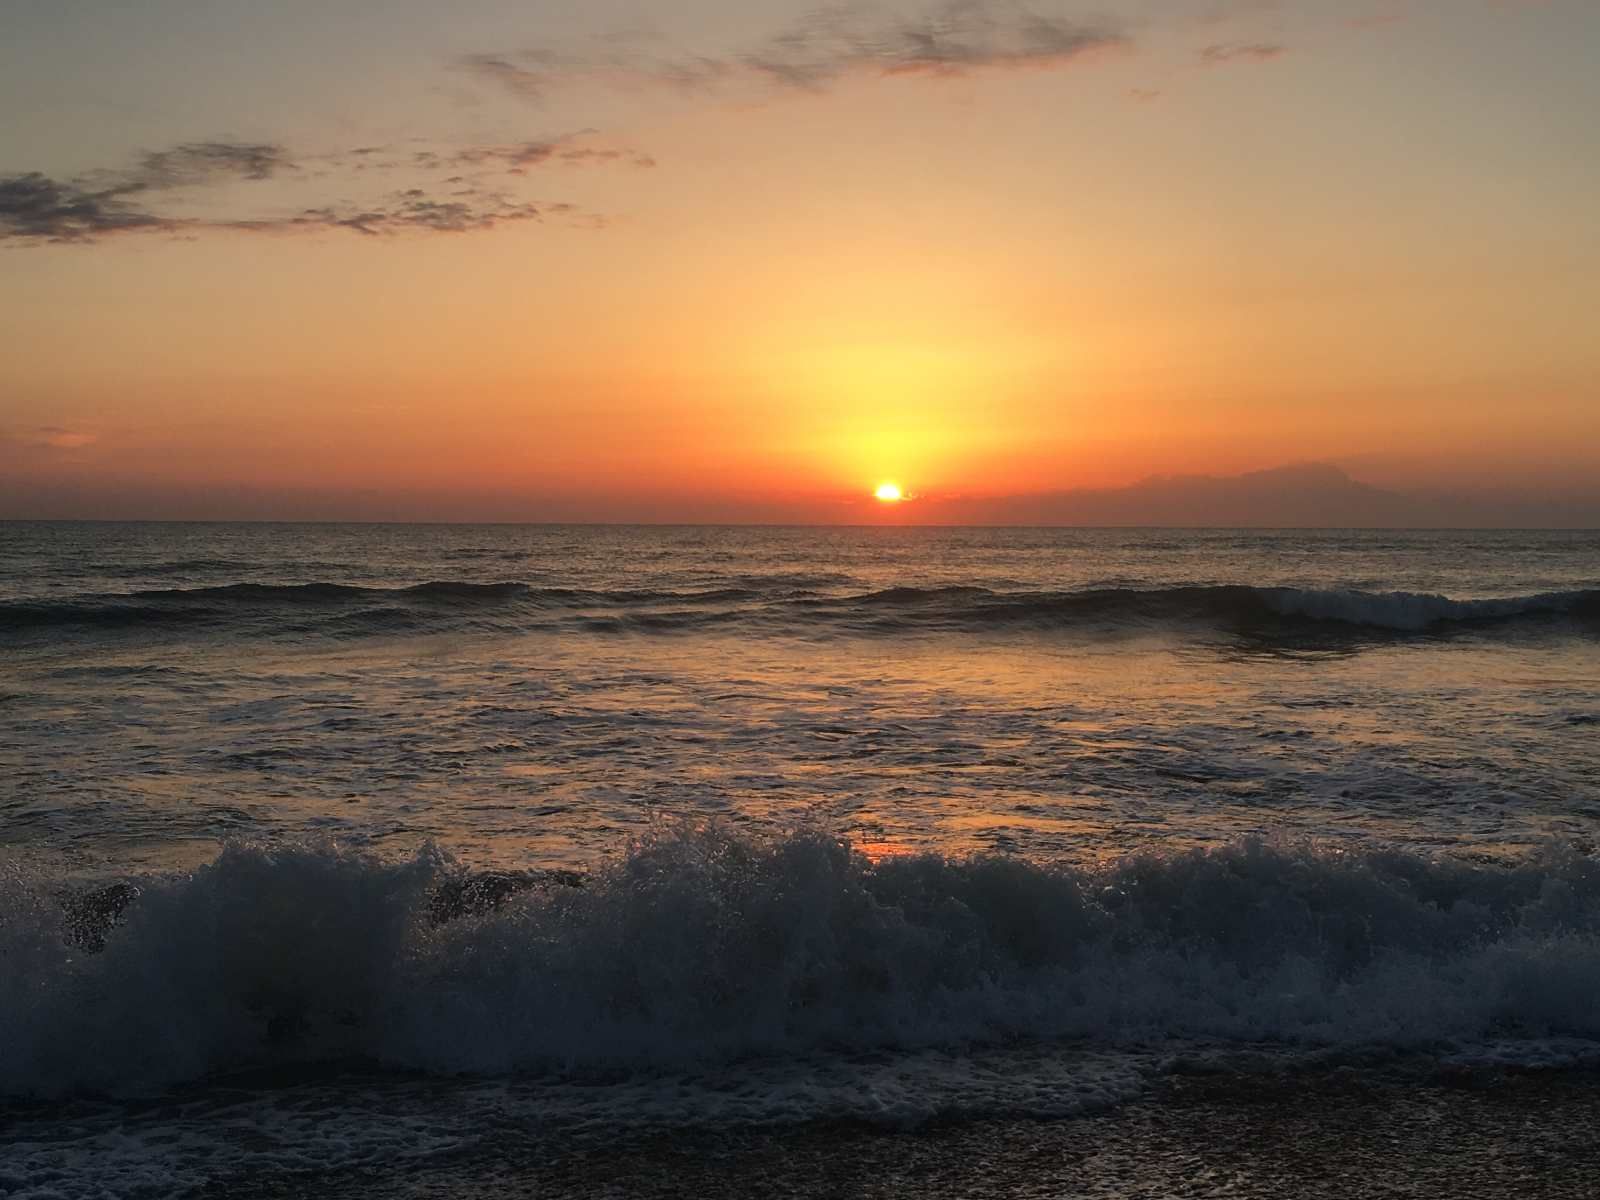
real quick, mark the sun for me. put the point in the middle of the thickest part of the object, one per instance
(889, 493)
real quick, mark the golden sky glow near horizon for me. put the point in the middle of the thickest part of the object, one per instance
(747, 262)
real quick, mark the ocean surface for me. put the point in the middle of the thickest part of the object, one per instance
(330, 847)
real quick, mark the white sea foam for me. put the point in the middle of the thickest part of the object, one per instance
(1412, 611)
(702, 948)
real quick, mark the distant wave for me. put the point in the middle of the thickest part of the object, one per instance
(702, 947)
(1225, 604)
(165, 606)
(798, 604)
(1413, 611)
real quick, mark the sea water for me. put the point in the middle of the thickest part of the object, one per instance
(323, 845)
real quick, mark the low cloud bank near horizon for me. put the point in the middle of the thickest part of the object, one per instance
(1305, 495)
(1299, 495)
(47, 438)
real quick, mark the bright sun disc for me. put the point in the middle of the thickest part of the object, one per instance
(888, 492)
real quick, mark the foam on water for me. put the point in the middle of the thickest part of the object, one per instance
(534, 695)
(1410, 611)
(344, 1120)
(701, 947)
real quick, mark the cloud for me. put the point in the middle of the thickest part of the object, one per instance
(411, 210)
(49, 437)
(529, 84)
(1226, 52)
(516, 158)
(147, 196)
(34, 206)
(195, 163)
(960, 37)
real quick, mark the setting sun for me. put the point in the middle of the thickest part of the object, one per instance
(889, 493)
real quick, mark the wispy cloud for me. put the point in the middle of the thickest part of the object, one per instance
(194, 163)
(49, 438)
(149, 195)
(527, 79)
(960, 37)
(517, 158)
(35, 206)
(965, 36)
(1229, 52)
(411, 210)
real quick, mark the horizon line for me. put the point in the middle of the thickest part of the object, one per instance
(890, 525)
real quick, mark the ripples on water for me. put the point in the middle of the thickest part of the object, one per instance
(537, 695)
(1255, 794)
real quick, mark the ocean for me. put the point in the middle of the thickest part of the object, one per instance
(333, 856)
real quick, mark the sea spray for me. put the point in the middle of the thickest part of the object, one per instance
(703, 946)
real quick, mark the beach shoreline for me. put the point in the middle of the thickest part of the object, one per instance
(1331, 1132)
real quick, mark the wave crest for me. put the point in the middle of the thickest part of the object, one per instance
(782, 604)
(702, 946)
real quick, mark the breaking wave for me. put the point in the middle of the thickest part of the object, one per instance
(1230, 606)
(805, 605)
(700, 947)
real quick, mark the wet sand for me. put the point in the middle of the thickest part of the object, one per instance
(1342, 1134)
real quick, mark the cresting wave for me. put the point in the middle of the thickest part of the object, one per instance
(802, 604)
(702, 947)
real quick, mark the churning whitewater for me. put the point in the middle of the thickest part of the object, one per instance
(702, 947)
(332, 850)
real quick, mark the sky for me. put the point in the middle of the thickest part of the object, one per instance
(746, 261)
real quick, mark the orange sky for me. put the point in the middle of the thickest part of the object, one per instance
(1206, 238)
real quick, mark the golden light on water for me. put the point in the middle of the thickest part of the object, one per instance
(889, 493)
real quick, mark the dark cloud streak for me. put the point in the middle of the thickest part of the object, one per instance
(1226, 52)
(35, 208)
(197, 163)
(959, 38)
(518, 157)
(412, 210)
(827, 45)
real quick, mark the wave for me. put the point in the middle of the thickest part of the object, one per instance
(782, 603)
(702, 947)
(1223, 604)
(1413, 611)
(242, 601)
